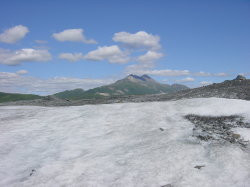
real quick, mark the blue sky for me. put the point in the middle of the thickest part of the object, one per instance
(63, 44)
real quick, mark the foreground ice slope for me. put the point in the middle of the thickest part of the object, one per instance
(119, 145)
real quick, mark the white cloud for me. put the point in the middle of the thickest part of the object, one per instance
(245, 74)
(145, 62)
(22, 72)
(202, 74)
(8, 57)
(168, 72)
(140, 39)
(220, 74)
(6, 75)
(165, 72)
(207, 74)
(13, 34)
(205, 83)
(14, 82)
(73, 57)
(150, 56)
(113, 54)
(187, 79)
(139, 68)
(72, 35)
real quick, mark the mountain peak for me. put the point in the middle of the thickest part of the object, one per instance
(146, 76)
(240, 77)
(140, 78)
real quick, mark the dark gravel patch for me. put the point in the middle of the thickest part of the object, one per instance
(209, 128)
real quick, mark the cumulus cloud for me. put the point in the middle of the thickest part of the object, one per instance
(168, 72)
(187, 79)
(164, 72)
(139, 68)
(9, 57)
(72, 35)
(207, 74)
(22, 72)
(140, 39)
(221, 74)
(7, 75)
(245, 74)
(113, 54)
(145, 62)
(147, 67)
(15, 82)
(13, 34)
(150, 56)
(205, 83)
(202, 74)
(72, 57)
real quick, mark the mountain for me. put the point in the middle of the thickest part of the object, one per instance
(238, 88)
(7, 97)
(131, 85)
(70, 94)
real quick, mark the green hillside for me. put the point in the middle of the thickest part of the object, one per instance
(70, 94)
(7, 97)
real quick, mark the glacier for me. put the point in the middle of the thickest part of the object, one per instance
(126, 144)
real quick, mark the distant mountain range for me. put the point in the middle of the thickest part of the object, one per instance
(119, 92)
(130, 85)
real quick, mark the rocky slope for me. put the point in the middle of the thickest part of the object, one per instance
(238, 88)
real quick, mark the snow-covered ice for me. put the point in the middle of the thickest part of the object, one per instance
(244, 133)
(119, 145)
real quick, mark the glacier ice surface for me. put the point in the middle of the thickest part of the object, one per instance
(119, 145)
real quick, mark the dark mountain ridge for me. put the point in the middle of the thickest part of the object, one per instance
(238, 88)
